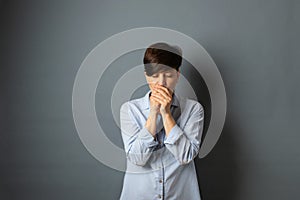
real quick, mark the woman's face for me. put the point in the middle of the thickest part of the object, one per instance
(167, 79)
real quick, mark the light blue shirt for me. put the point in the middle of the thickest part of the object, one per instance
(161, 167)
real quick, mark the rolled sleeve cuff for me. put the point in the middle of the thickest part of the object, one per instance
(147, 139)
(174, 135)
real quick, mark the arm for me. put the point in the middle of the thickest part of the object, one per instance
(139, 143)
(184, 143)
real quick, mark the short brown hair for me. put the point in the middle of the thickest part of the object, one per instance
(164, 54)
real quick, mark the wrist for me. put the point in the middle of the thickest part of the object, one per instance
(166, 115)
(153, 113)
(165, 112)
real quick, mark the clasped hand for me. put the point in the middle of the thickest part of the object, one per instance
(160, 99)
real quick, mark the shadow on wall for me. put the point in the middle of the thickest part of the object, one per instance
(218, 173)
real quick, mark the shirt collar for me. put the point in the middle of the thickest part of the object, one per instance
(146, 100)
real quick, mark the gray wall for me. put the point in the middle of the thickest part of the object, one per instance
(254, 44)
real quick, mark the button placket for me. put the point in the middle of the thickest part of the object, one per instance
(159, 180)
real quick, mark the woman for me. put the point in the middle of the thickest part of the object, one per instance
(161, 133)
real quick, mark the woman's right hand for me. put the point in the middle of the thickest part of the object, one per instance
(154, 105)
(154, 111)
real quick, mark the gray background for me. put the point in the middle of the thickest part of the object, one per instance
(254, 44)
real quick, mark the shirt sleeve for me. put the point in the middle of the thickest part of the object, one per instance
(184, 143)
(138, 142)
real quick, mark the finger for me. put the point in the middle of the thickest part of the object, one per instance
(166, 100)
(163, 94)
(167, 90)
(161, 100)
(158, 95)
(154, 100)
(158, 100)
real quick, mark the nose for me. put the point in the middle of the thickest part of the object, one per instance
(162, 80)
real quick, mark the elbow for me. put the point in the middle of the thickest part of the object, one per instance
(184, 161)
(189, 157)
(136, 160)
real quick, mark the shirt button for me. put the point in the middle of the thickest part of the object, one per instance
(160, 181)
(159, 196)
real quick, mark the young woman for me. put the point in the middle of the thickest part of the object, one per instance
(161, 133)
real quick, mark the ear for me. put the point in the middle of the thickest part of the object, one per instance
(178, 73)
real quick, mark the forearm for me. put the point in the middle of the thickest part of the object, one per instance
(178, 144)
(184, 143)
(140, 147)
(151, 123)
(138, 154)
(183, 148)
(169, 122)
(138, 141)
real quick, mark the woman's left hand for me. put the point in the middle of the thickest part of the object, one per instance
(163, 96)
